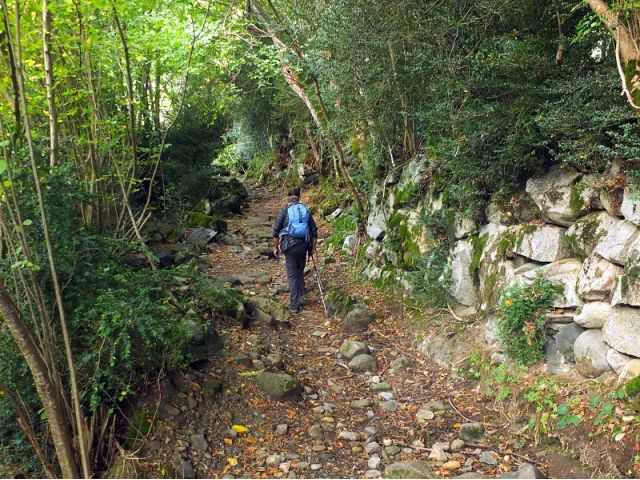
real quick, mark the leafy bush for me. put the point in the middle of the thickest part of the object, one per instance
(430, 280)
(521, 319)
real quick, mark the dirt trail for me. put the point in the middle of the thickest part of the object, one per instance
(323, 433)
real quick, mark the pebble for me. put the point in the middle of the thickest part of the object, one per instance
(425, 415)
(318, 410)
(451, 465)
(292, 475)
(487, 459)
(390, 405)
(292, 456)
(373, 474)
(171, 410)
(328, 407)
(375, 379)
(380, 387)
(308, 390)
(316, 466)
(198, 442)
(374, 462)
(350, 436)
(370, 414)
(407, 450)
(357, 449)
(319, 448)
(437, 454)
(387, 442)
(446, 446)
(285, 467)
(363, 403)
(457, 444)
(386, 395)
(373, 447)
(282, 429)
(315, 431)
(469, 462)
(328, 427)
(313, 396)
(273, 460)
(370, 431)
(392, 450)
(300, 465)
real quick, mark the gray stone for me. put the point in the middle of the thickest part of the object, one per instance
(198, 442)
(372, 251)
(363, 363)
(392, 450)
(183, 469)
(352, 348)
(409, 469)
(435, 406)
(363, 403)
(591, 354)
(471, 432)
(457, 445)
(525, 471)
(491, 331)
(630, 208)
(565, 274)
(274, 360)
(400, 363)
(370, 431)
(566, 338)
(583, 236)
(611, 201)
(201, 236)
(463, 227)
(357, 319)
(555, 362)
(385, 395)
(372, 447)
(274, 460)
(592, 315)
(425, 415)
(349, 436)
(615, 244)
(380, 387)
(617, 360)
(349, 244)
(278, 385)
(463, 286)
(374, 462)
(622, 330)
(376, 223)
(390, 405)
(630, 371)
(282, 429)
(542, 243)
(598, 278)
(315, 431)
(627, 290)
(316, 466)
(437, 454)
(373, 474)
(487, 459)
(498, 358)
(552, 192)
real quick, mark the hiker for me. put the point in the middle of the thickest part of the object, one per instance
(295, 234)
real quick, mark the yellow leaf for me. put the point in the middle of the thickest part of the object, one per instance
(228, 441)
(233, 461)
(239, 429)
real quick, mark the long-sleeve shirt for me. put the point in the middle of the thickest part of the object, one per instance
(282, 222)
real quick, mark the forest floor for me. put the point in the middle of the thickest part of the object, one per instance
(339, 427)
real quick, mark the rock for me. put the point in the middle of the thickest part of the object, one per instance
(282, 429)
(373, 474)
(278, 385)
(463, 227)
(617, 360)
(525, 470)
(357, 319)
(374, 462)
(349, 244)
(451, 465)
(437, 454)
(408, 469)
(471, 432)
(400, 363)
(372, 250)
(425, 415)
(183, 469)
(615, 244)
(435, 406)
(376, 223)
(385, 395)
(583, 236)
(565, 274)
(592, 315)
(591, 354)
(171, 410)
(315, 431)
(353, 348)
(275, 361)
(555, 362)
(363, 363)
(542, 243)
(457, 445)
(627, 290)
(498, 358)
(611, 201)
(487, 459)
(630, 371)
(390, 405)
(597, 278)
(201, 236)
(198, 442)
(316, 466)
(445, 446)
(463, 287)
(621, 330)
(363, 403)
(555, 195)
(335, 214)
(274, 460)
(244, 359)
(491, 331)
(372, 447)
(566, 338)
(349, 436)
(630, 208)
(381, 387)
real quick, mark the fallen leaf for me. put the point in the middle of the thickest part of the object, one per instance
(228, 441)
(233, 461)
(456, 425)
(239, 428)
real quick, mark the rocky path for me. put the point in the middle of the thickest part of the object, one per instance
(368, 404)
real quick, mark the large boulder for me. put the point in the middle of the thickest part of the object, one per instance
(557, 196)
(630, 371)
(520, 208)
(564, 273)
(630, 208)
(591, 354)
(598, 278)
(566, 339)
(363, 363)
(616, 244)
(278, 385)
(583, 236)
(463, 287)
(358, 318)
(627, 291)
(352, 348)
(622, 330)
(593, 314)
(463, 227)
(376, 223)
(617, 360)
(542, 243)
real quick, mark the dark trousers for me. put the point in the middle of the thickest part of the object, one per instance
(296, 259)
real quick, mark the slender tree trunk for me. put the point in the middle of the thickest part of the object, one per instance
(49, 81)
(14, 79)
(618, 30)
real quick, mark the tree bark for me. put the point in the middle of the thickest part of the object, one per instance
(618, 30)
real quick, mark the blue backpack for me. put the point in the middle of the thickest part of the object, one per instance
(299, 215)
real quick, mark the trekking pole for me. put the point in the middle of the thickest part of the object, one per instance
(315, 267)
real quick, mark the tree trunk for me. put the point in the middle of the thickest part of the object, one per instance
(618, 30)
(49, 81)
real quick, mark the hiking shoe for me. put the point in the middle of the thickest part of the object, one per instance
(294, 311)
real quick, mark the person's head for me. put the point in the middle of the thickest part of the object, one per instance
(294, 192)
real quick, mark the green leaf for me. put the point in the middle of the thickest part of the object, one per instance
(27, 223)
(563, 409)
(595, 401)
(3, 166)
(4, 143)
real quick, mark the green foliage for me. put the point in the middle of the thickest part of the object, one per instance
(430, 280)
(521, 319)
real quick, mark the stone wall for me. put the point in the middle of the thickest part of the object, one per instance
(580, 231)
